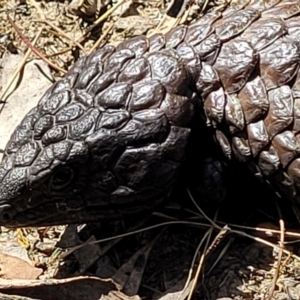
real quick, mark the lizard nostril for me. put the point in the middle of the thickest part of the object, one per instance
(6, 217)
(6, 214)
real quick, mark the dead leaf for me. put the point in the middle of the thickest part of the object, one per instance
(77, 288)
(15, 268)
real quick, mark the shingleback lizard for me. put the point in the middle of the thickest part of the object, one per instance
(108, 139)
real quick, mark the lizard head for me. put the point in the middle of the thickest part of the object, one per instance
(63, 177)
(69, 163)
(100, 150)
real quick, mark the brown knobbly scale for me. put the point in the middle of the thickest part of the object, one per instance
(280, 114)
(279, 62)
(235, 23)
(235, 63)
(264, 32)
(234, 114)
(258, 137)
(254, 100)
(109, 138)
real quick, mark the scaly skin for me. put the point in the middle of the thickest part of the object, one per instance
(108, 139)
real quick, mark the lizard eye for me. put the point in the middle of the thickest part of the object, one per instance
(62, 178)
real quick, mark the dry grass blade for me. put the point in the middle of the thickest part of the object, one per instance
(169, 21)
(189, 279)
(276, 275)
(5, 90)
(130, 274)
(71, 250)
(101, 19)
(106, 32)
(241, 232)
(33, 49)
(213, 223)
(61, 33)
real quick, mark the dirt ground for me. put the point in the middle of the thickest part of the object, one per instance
(215, 251)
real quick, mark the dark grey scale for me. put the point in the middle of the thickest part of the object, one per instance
(139, 45)
(197, 33)
(6, 165)
(10, 185)
(208, 81)
(118, 59)
(86, 77)
(148, 126)
(169, 70)
(114, 97)
(175, 144)
(209, 18)
(138, 167)
(293, 28)
(112, 146)
(100, 55)
(45, 163)
(55, 102)
(113, 119)
(209, 48)
(283, 10)
(84, 126)
(214, 107)
(42, 125)
(77, 67)
(102, 82)
(69, 113)
(136, 70)
(24, 132)
(183, 108)
(148, 94)
(84, 98)
(175, 36)
(229, 27)
(55, 134)
(156, 42)
(27, 154)
(264, 32)
(192, 60)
